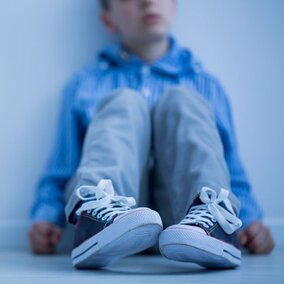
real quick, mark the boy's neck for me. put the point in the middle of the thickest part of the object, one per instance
(148, 51)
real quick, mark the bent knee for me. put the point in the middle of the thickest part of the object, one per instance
(180, 98)
(128, 95)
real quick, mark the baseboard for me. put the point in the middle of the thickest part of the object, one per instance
(14, 234)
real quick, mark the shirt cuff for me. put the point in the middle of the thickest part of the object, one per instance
(250, 210)
(53, 213)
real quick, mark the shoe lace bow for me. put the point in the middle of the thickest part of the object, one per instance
(211, 211)
(101, 201)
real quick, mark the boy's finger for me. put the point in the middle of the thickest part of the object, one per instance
(266, 243)
(258, 243)
(56, 235)
(39, 239)
(39, 248)
(270, 243)
(57, 230)
(42, 228)
(243, 238)
(253, 230)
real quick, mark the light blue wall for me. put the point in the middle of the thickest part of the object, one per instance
(44, 42)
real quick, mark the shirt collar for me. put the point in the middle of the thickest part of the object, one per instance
(175, 62)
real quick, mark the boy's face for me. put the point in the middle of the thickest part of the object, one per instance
(139, 20)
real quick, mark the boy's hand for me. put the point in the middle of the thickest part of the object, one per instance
(257, 238)
(43, 237)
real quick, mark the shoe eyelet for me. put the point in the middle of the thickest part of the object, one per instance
(104, 218)
(99, 215)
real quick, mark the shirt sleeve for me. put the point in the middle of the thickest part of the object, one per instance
(49, 201)
(240, 184)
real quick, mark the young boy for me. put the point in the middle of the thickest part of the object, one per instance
(156, 120)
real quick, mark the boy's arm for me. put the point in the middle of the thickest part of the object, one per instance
(254, 234)
(49, 202)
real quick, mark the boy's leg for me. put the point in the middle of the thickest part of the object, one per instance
(116, 146)
(188, 153)
(114, 161)
(192, 183)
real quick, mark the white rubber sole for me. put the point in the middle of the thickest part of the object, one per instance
(128, 234)
(180, 243)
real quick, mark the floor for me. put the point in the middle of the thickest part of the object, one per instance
(22, 267)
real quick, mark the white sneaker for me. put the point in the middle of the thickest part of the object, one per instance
(207, 234)
(108, 228)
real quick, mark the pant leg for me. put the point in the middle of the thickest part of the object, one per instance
(188, 153)
(117, 146)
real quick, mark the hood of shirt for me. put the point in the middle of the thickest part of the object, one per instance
(176, 62)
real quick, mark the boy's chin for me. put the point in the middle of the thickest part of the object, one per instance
(148, 36)
(156, 35)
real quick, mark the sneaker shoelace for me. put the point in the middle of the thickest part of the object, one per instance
(101, 202)
(211, 211)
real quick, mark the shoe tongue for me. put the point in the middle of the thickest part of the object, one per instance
(196, 201)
